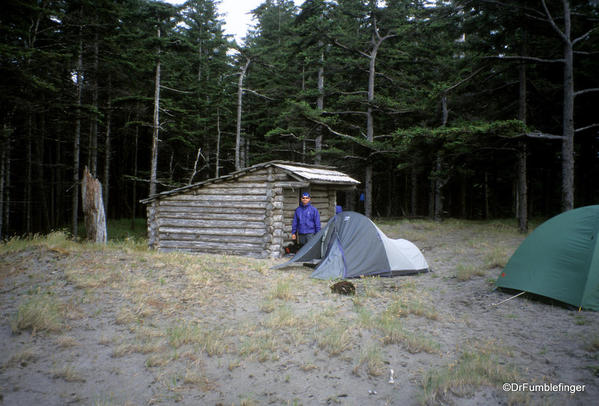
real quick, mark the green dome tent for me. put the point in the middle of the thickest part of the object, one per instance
(559, 260)
(351, 246)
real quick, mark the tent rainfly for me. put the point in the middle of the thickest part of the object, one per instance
(352, 246)
(248, 212)
(559, 260)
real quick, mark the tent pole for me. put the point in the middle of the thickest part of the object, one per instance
(510, 298)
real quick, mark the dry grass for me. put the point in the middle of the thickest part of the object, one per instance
(467, 271)
(370, 359)
(478, 365)
(182, 311)
(41, 311)
(22, 358)
(67, 373)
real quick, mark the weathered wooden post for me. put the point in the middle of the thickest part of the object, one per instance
(93, 208)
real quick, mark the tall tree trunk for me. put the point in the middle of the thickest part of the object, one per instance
(568, 115)
(320, 107)
(134, 192)
(107, 151)
(438, 189)
(3, 158)
(414, 191)
(376, 41)
(217, 169)
(238, 141)
(153, 172)
(77, 140)
(5, 195)
(43, 214)
(522, 211)
(28, 174)
(94, 123)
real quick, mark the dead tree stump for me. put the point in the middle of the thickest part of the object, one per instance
(93, 208)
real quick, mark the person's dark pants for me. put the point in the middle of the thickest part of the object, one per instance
(304, 238)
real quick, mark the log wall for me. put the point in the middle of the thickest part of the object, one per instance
(250, 215)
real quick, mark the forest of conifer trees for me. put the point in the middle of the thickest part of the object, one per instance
(455, 108)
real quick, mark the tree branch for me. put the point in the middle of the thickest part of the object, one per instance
(346, 136)
(552, 22)
(350, 49)
(539, 134)
(175, 90)
(344, 112)
(578, 93)
(473, 74)
(528, 58)
(584, 36)
(257, 94)
(586, 128)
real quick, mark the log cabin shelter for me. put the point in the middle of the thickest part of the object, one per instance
(248, 212)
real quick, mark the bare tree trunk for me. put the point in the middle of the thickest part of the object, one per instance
(438, 181)
(93, 208)
(238, 142)
(320, 107)
(438, 189)
(94, 123)
(43, 214)
(414, 192)
(217, 170)
(3, 159)
(28, 175)
(107, 151)
(153, 172)
(377, 40)
(135, 178)
(522, 210)
(76, 146)
(568, 116)
(6, 200)
(486, 191)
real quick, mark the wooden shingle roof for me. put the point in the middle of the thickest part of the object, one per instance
(316, 174)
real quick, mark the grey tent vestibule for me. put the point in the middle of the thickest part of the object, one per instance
(351, 245)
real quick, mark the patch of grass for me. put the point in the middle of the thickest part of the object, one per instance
(403, 305)
(371, 286)
(68, 373)
(372, 360)
(393, 332)
(334, 340)
(66, 341)
(282, 290)
(465, 272)
(248, 400)
(307, 366)
(498, 257)
(477, 366)
(22, 358)
(126, 229)
(262, 346)
(39, 312)
(593, 344)
(198, 379)
(125, 316)
(210, 340)
(92, 277)
(57, 240)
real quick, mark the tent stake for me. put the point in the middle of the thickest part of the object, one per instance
(509, 298)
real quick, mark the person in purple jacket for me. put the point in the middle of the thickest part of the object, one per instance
(306, 221)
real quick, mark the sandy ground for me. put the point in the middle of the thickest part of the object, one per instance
(139, 328)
